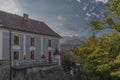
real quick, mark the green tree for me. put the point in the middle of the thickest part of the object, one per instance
(100, 57)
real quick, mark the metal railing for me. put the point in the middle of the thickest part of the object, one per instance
(17, 64)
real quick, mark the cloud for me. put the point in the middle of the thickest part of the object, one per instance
(79, 1)
(94, 14)
(84, 8)
(67, 29)
(104, 1)
(88, 14)
(10, 6)
(61, 18)
(53, 13)
(66, 24)
(70, 27)
(87, 18)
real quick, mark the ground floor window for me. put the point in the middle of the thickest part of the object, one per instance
(50, 56)
(16, 55)
(32, 54)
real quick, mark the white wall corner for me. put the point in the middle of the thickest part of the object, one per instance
(1, 45)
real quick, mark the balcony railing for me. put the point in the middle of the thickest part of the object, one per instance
(31, 63)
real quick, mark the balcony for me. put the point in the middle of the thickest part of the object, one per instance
(31, 63)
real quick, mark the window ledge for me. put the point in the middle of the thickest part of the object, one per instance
(16, 47)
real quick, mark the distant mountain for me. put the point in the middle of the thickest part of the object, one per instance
(67, 42)
(71, 39)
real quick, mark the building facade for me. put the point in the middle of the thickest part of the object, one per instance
(26, 41)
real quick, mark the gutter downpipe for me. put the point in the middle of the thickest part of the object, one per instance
(10, 56)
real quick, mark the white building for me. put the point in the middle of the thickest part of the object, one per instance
(26, 42)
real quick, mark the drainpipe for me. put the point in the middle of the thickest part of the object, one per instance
(10, 56)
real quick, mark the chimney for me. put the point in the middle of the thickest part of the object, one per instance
(25, 17)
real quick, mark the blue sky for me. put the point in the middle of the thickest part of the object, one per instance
(66, 17)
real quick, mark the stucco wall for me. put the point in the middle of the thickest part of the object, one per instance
(25, 47)
(5, 46)
(45, 47)
(38, 47)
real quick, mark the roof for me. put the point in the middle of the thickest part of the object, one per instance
(16, 22)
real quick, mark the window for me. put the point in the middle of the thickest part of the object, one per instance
(32, 55)
(16, 55)
(50, 56)
(32, 41)
(16, 40)
(49, 43)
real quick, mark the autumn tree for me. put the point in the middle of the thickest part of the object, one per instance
(100, 57)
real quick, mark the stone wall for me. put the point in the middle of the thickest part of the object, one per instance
(4, 70)
(37, 73)
(45, 73)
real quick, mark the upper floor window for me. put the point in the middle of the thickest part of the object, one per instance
(49, 43)
(16, 40)
(16, 55)
(32, 41)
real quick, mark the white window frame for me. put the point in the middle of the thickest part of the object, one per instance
(49, 40)
(18, 55)
(31, 41)
(18, 41)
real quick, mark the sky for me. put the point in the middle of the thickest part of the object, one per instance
(66, 17)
